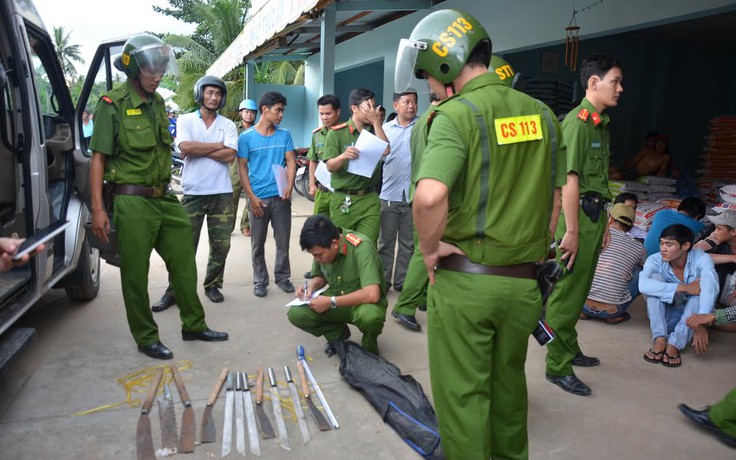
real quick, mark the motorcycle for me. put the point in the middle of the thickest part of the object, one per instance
(177, 167)
(301, 184)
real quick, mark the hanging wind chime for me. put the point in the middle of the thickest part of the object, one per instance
(572, 43)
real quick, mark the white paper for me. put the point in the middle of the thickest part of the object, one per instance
(279, 173)
(324, 176)
(297, 302)
(371, 150)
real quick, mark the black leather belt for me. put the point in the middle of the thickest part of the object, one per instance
(361, 192)
(140, 190)
(322, 188)
(458, 263)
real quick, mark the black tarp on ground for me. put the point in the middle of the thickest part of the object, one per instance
(399, 399)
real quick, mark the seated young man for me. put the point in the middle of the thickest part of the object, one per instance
(350, 264)
(678, 282)
(689, 213)
(616, 279)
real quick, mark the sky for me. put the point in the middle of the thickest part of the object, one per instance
(93, 21)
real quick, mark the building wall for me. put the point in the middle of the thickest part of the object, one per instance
(293, 113)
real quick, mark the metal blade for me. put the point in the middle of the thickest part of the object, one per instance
(306, 435)
(322, 399)
(188, 425)
(207, 432)
(239, 421)
(264, 424)
(255, 446)
(277, 413)
(227, 426)
(167, 418)
(143, 438)
(319, 419)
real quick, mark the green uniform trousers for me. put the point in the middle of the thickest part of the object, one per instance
(567, 299)
(322, 202)
(414, 292)
(244, 221)
(367, 317)
(723, 414)
(364, 214)
(144, 224)
(478, 332)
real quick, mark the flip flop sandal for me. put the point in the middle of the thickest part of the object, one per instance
(619, 319)
(668, 363)
(657, 356)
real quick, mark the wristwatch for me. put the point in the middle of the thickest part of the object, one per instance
(333, 302)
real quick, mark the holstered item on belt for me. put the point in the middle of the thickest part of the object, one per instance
(458, 263)
(592, 204)
(107, 198)
(550, 273)
(600, 306)
(140, 190)
(322, 188)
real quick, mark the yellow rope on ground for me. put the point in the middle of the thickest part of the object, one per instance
(139, 382)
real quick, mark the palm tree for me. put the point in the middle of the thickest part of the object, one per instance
(67, 53)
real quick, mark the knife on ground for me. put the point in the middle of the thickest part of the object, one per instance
(188, 426)
(306, 436)
(322, 399)
(250, 417)
(227, 426)
(277, 413)
(239, 416)
(207, 431)
(319, 419)
(167, 417)
(143, 438)
(263, 423)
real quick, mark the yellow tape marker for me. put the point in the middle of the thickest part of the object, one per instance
(512, 130)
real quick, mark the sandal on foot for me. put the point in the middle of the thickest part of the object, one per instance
(669, 363)
(619, 319)
(657, 356)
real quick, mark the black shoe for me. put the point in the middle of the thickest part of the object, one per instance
(422, 307)
(703, 420)
(156, 351)
(581, 360)
(259, 290)
(286, 286)
(330, 347)
(163, 303)
(570, 383)
(214, 294)
(208, 335)
(408, 321)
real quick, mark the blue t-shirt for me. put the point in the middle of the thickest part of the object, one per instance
(262, 152)
(664, 219)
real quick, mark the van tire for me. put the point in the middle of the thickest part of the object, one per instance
(83, 283)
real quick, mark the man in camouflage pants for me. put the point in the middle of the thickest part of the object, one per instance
(208, 143)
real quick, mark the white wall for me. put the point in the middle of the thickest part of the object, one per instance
(513, 25)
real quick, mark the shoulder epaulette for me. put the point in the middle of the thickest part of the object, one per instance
(353, 239)
(430, 117)
(340, 126)
(583, 114)
(596, 118)
(106, 99)
(316, 129)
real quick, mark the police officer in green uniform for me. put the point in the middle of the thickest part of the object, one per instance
(131, 151)
(414, 294)
(248, 109)
(354, 203)
(582, 230)
(329, 114)
(350, 264)
(482, 207)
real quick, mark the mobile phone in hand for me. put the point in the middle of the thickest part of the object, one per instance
(42, 236)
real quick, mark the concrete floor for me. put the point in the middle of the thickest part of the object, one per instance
(82, 349)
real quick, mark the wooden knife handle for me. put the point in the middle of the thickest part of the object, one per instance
(148, 402)
(180, 384)
(218, 386)
(303, 378)
(259, 385)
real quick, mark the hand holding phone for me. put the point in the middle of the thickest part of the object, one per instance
(34, 241)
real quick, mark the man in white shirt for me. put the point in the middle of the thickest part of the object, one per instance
(396, 217)
(208, 143)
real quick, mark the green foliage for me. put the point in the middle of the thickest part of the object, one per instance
(66, 52)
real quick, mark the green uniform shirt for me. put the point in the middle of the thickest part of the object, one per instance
(355, 267)
(499, 195)
(417, 144)
(588, 144)
(317, 147)
(338, 139)
(133, 133)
